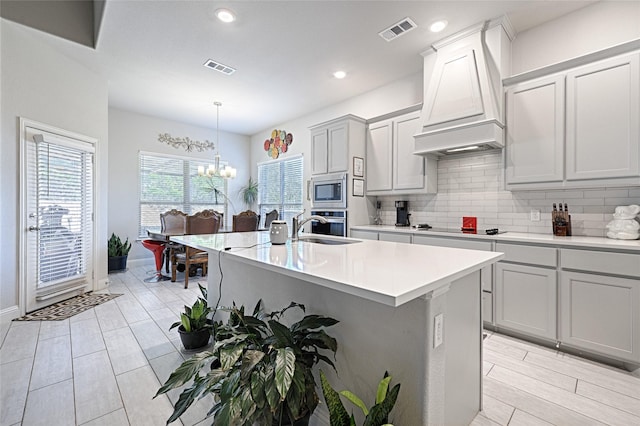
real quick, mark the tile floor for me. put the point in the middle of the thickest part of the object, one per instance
(102, 367)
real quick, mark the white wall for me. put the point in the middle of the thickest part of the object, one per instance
(130, 133)
(40, 84)
(393, 97)
(589, 29)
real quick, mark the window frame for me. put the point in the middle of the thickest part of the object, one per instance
(187, 204)
(286, 211)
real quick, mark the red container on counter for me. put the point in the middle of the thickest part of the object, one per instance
(469, 224)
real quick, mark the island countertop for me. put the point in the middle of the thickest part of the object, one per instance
(385, 272)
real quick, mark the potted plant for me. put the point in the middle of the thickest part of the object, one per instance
(117, 253)
(378, 415)
(249, 193)
(260, 369)
(194, 326)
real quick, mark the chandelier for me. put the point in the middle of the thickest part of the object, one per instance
(215, 169)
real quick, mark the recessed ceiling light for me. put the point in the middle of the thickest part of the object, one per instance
(225, 15)
(438, 26)
(339, 75)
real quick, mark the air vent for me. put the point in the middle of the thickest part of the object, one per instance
(217, 66)
(397, 29)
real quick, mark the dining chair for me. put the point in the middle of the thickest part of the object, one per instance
(245, 221)
(173, 222)
(270, 217)
(204, 222)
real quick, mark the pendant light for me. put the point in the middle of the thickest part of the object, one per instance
(214, 169)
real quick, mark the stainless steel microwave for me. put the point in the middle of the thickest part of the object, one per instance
(329, 191)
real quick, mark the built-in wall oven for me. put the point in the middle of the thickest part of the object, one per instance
(329, 191)
(336, 223)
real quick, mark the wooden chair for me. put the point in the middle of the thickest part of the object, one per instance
(246, 221)
(204, 222)
(173, 222)
(270, 217)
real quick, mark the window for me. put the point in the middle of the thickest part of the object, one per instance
(280, 187)
(169, 182)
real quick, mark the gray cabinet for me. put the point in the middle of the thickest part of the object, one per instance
(526, 299)
(535, 132)
(334, 143)
(600, 302)
(600, 313)
(559, 127)
(392, 168)
(526, 289)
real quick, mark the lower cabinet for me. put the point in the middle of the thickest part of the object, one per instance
(526, 299)
(600, 313)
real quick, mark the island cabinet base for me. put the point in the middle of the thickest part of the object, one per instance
(441, 385)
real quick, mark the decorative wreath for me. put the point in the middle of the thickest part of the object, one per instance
(279, 142)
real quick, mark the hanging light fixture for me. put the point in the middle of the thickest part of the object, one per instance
(214, 169)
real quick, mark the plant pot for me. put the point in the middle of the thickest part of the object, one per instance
(195, 339)
(117, 263)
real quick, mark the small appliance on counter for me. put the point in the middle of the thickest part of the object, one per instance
(624, 225)
(278, 232)
(402, 213)
(561, 220)
(469, 224)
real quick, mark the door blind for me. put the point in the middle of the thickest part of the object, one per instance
(64, 200)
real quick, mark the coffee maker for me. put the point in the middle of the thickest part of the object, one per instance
(402, 213)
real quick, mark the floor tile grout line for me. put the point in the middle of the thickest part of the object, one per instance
(546, 400)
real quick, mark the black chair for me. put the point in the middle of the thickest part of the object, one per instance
(270, 217)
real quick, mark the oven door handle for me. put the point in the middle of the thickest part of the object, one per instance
(330, 221)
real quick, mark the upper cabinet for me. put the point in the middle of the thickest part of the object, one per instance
(392, 168)
(576, 128)
(333, 142)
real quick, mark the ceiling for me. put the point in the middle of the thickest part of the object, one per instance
(152, 53)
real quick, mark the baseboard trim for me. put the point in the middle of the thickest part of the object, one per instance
(10, 313)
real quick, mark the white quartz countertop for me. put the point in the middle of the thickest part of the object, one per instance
(520, 237)
(385, 272)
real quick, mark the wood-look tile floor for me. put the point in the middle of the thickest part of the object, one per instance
(103, 366)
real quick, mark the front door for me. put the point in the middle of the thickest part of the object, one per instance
(57, 194)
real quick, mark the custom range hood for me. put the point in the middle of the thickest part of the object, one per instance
(463, 101)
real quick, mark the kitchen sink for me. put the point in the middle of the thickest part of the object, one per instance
(327, 241)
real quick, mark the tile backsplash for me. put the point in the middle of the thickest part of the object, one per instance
(474, 186)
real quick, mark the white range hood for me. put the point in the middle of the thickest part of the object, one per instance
(463, 102)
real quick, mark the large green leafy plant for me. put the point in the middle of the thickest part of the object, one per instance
(378, 415)
(260, 369)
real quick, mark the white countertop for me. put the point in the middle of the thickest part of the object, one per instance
(522, 237)
(385, 272)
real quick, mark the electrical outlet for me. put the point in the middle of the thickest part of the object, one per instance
(535, 215)
(438, 330)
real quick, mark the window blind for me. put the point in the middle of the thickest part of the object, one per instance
(168, 182)
(64, 198)
(280, 187)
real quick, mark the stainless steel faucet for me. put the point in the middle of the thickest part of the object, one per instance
(297, 225)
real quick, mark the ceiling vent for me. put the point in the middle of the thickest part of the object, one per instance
(217, 66)
(397, 29)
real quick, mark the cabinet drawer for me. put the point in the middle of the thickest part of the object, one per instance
(601, 261)
(452, 242)
(364, 235)
(396, 238)
(535, 255)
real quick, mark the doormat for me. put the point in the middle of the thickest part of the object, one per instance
(68, 308)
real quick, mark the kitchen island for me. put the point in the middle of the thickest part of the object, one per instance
(389, 298)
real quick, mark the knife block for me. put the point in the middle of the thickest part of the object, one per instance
(561, 222)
